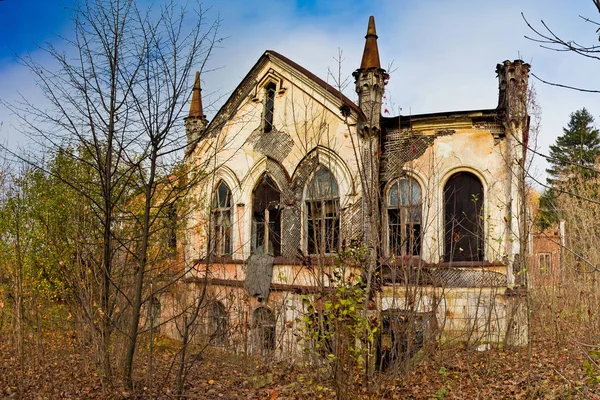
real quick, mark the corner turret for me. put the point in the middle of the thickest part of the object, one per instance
(370, 80)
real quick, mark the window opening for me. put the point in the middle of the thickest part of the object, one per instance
(322, 213)
(404, 218)
(269, 111)
(402, 336)
(154, 314)
(264, 321)
(545, 263)
(218, 323)
(221, 216)
(464, 219)
(171, 216)
(266, 217)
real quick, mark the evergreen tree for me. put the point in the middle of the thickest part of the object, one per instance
(576, 150)
(572, 160)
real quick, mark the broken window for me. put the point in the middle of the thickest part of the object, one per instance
(322, 213)
(217, 315)
(464, 219)
(404, 218)
(269, 110)
(264, 322)
(403, 334)
(221, 220)
(266, 217)
(545, 263)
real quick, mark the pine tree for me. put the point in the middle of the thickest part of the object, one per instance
(572, 159)
(576, 150)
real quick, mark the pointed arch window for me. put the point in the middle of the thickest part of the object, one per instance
(322, 213)
(269, 107)
(221, 220)
(266, 217)
(404, 218)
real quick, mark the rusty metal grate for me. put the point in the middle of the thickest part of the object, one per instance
(443, 277)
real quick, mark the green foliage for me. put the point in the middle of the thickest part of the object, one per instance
(336, 326)
(43, 224)
(592, 370)
(548, 212)
(577, 149)
(441, 394)
(572, 161)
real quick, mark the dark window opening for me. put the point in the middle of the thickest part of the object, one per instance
(269, 110)
(154, 311)
(217, 315)
(464, 219)
(266, 218)
(403, 334)
(322, 213)
(221, 220)
(404, 218)
(264, 321)
(172, 227)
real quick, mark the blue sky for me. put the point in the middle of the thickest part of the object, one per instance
(25, 23)
(443, 53)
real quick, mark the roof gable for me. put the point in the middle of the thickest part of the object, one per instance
(248, 84)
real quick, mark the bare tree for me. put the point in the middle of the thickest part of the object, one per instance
(116, 100)
(549, 39)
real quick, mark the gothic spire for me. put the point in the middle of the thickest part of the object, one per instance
(196, 106)
(370, 58)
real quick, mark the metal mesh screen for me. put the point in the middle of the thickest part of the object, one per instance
(443, 277)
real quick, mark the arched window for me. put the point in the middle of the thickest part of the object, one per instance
(322, 213)
(217, 315)
(464, 219)
(266, 217)
(221, 220)
(404, 218)
(264, 321)
(269, 110)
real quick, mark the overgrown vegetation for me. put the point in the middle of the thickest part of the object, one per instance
(88, 234)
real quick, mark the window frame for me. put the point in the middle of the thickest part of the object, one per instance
(405, 215)
(268, 117)
(271, 227)
(548, 269)
(218, 214)
(322, 204)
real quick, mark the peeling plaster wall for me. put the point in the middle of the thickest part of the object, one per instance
(431, 153)
(308, 130)
(477, 315)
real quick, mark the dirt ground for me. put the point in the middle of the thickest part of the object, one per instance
(58, 369)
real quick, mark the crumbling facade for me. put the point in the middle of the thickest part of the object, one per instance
(293, 173)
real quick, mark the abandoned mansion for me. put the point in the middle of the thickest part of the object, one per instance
(298, 183)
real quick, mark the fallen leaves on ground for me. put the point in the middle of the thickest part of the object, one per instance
(59, 368)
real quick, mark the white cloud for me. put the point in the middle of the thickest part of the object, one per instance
(444, 53)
